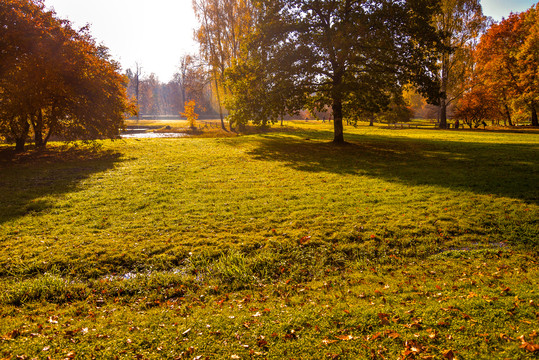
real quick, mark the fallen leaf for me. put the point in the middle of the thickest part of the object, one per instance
(527, 345)
(374, 337)
(12, 335)
(384, 318)
(432, 333)
(345, 337)
(449, 355)
(46, 348)
(234, 356)
(328, 342)
(304, 240)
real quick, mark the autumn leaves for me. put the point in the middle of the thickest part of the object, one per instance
(55, 81)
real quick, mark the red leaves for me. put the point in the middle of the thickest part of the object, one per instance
(304, 240)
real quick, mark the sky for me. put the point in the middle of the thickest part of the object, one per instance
(156, 33)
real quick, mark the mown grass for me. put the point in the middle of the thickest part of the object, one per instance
(401, 244)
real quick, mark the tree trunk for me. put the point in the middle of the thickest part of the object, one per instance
(508, 115)
(535, 122)
(19, 144)
(443, 114)
(20, 140)
(443, 89)
(507, 110)
(337, 122)
(219, 101)
(38, 130)
(371, 121)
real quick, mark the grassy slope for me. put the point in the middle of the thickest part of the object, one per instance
(403, 243)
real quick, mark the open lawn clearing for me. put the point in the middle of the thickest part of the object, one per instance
(279, 241)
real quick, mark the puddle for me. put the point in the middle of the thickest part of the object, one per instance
(132, 134)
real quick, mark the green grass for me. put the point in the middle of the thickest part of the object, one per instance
(404, 243)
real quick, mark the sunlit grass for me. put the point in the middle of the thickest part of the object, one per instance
(275, 245)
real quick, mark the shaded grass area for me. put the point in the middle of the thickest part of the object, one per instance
(402, 244)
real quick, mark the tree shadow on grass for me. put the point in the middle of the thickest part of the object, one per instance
(510, 170)
(27, 177)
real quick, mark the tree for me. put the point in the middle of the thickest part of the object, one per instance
(193, 79)
(508, 61)
(476, 106)
(134, 85)
(54, 79)
(347, 55)
(190, 113)
(462, 22)
(223, 25)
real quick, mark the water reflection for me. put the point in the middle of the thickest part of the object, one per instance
(132, 134)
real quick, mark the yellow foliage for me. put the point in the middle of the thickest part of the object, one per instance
(189, 113)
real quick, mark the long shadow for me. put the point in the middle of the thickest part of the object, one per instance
(510, 170)
(27, 177)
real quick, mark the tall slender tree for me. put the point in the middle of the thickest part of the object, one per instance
(462, 22)
(223, 25)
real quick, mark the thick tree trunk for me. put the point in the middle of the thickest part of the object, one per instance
(19, 144)
(337, 122)
(535, 122)
(20, 140)
(443, 114)
(507, 110)
(508, 115)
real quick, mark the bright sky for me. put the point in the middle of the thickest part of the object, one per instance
(156, 33)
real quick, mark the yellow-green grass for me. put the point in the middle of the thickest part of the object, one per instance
(403, 243)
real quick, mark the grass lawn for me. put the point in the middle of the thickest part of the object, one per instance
(403, 244)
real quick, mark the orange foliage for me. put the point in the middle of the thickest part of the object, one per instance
(55, 80)
(189, 113)
(508, 61)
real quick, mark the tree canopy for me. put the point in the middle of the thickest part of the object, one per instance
(508, 62)
(349, 55)
(55, 80)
